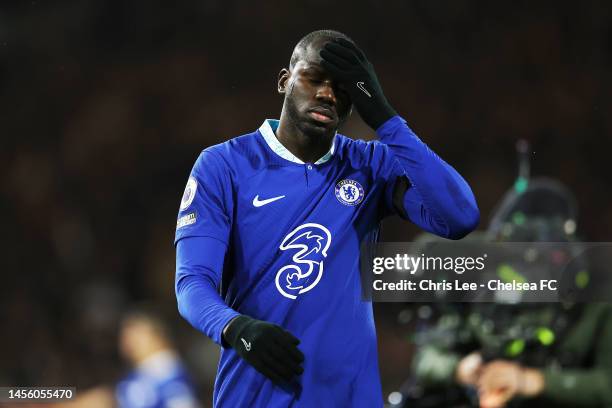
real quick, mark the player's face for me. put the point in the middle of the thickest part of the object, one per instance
(134, 340)
(316, 102)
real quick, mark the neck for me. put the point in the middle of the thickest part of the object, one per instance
(308, 147)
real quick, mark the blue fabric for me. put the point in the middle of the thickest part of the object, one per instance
(199, 264)
(439, 200)
(294, 260)
(142, 389)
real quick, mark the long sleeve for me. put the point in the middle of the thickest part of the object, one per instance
(438, 199)
(199, 265)
(588, 385)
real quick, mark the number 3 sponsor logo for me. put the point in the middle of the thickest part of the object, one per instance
(311, 241)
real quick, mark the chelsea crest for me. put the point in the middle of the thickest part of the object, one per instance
(349, 192)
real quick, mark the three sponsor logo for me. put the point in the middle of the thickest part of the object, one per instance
(311, 242)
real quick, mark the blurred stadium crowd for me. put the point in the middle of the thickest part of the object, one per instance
(104, 106)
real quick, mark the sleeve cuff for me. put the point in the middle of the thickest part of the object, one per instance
(559, 383)
(229, 316)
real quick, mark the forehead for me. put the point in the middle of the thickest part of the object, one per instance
(308, 67)
(309, 55)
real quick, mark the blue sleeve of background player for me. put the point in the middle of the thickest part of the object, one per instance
(438, 199)
(202, 234)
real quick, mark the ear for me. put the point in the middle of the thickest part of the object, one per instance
(283, 78)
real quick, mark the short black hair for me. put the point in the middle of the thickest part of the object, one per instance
(311, 38)
(152, 316)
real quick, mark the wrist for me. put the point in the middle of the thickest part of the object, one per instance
(468, 369)
(532, 382)
(227, 333)
(379, 116)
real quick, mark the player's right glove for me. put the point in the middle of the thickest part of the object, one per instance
(269, 348)
(349, 65)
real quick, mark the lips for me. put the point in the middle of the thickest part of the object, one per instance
(323, 115)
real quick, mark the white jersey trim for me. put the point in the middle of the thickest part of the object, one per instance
(268, 129)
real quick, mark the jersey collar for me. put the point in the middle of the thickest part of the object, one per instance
(160, 365)
(268, 130)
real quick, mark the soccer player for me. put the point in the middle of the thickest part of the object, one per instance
(270, 226)
(158, 378)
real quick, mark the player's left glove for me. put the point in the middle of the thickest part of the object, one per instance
(272, 350)
(348, 65)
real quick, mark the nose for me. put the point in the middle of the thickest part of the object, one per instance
(325, 92)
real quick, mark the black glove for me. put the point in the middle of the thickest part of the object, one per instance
(267, 347)
(349, 66)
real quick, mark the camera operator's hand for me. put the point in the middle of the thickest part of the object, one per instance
(501, 381)
(468, 369)
(348, 65)
(269, 348)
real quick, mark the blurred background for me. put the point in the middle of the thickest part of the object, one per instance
(105, 105)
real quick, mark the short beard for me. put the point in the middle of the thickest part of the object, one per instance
(308, 129)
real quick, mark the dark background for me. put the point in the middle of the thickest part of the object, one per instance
(105, 105)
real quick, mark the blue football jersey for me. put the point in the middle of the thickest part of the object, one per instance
(161, 381)
(293, 232)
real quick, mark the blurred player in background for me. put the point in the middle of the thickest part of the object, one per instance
(270, 227)
(158, 378)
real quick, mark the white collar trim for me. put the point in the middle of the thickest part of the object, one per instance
(268, 129)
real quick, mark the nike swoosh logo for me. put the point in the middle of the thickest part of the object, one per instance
(259, 203)
(247, 345)
(361, 86)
